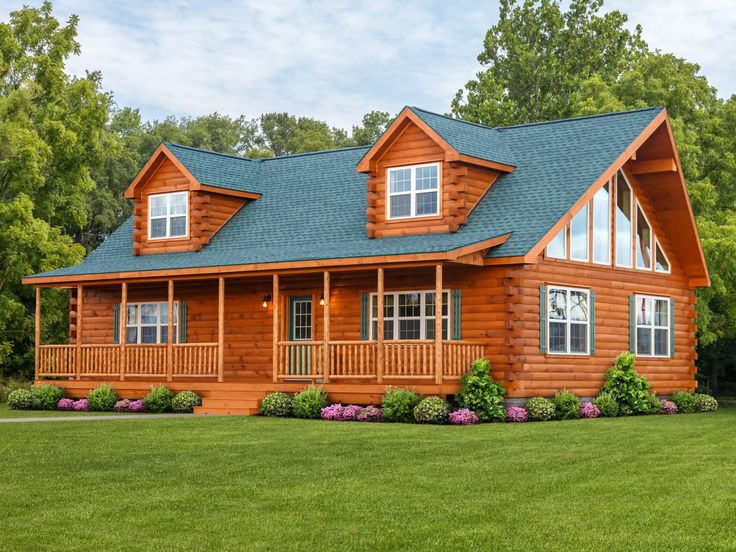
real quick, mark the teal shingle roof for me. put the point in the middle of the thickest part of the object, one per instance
(313, 205)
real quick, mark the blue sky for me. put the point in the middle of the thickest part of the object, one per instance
(333, 60)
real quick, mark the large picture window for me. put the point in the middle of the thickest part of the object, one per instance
(652, 326)
(643, 240)
(414, 191)
(568, 320)
(167, 215)
(148, 323)
(579, 235)
(409, 315)
(602, 226)
(623, 222)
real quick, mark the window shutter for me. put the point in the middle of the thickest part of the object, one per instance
(632, 323)
(182, 321)
(592, 322)
(116, 323)
(672, 328)
(542, 319)
(456, 314)
(364, 318)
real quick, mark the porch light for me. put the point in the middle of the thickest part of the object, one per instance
(322, 300)
(266, 301)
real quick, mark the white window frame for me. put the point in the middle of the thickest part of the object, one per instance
(632, 234)
(138, 325)
(412, 193)
(610, 225)
(168, 216)
(651, 326)
(658, 245)
(422, 313)
(652, 240)
(568, 322)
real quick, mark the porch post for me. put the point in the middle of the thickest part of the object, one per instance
(37, 332)
(276, 302)
(379, 330)
(80, 307)
(220, 329)
(438, 324)
(122, 337)
(170, 333)
(326, 316)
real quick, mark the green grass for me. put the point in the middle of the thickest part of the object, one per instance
(7, 412)
(648, 483)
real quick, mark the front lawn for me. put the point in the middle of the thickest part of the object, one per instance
(647, 483)
(7, 412)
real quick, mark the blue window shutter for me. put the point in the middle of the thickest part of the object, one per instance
(364, 334)
(632, 324)
(182, 321)
(592, 322)
(116, 323)
(542, 319)
(456, 314)
(672, 328)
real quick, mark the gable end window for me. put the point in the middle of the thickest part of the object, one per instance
(568, 321)
(652, 326)
(413, 191)
(168, 215)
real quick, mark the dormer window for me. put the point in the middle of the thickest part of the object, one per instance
(414, 191)
(167, 215)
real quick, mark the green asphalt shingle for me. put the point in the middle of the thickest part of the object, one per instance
(313, 205)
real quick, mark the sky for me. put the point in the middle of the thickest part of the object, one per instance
(328, 59)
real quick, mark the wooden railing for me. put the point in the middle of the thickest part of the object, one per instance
(146, 360)
(458, 356)
(58, 360)
(300, 359)
(353, 359)
(99, 360)
(409, 359)
(195, 359)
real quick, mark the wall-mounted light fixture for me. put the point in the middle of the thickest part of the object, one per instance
(266, 301)
(322, 300)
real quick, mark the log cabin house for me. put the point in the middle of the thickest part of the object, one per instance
(553, 246)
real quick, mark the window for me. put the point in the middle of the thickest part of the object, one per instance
(409, 315)
(602, 226)
(579, 235)
(623, 221)
(661, 264)
(567, 320)
(652, 326)
(167, 215)
(301, 318)
(414, 191)
(643, 240)
(148, 323)
(557, 248)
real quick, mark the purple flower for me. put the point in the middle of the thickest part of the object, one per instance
(65, 404)
(516, 414)
(463, 417)
(668, 407)
(122, 406)
(332, 412)
(589, 410)
(350, 413)
(137, 406)
(81, 405)
(370, 414)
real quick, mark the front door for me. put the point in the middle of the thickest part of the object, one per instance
(300, 329)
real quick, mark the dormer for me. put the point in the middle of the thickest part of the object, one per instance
(422, 178)
(173, 210)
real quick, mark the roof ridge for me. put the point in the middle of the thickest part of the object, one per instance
(202, 150)
(412, 107)
(348, 148)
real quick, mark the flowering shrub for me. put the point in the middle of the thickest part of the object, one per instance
(65, 404)
(185, 401)
(607, 405)
(351, 412)
(516, 414)
(159, 399)
(82, 405)
(310, 402)
(137, 406)
(46, 396)
(332, 412)
(589, 410)
(704, 403)
(276, 404)
(20, 399)
(668, 407)
(102, 398)
(122, 406)
(398, 405)
(432, 410)
(684, 402)
(463, 417)
(540, 409)
(370, 414)
(567, 405)
(480, 394)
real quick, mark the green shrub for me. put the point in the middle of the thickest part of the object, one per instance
(567, 405)
(398, 405)
(309, 402)
(46, 396)
(653, 404)
(185, 401)
(276, 404)
(20, 399)
(432, 410)
(102, 398)
(684, 402)
(607, 405)
(480, 394)
(704, 403)
(159, 399)
(630, 390)
(539, 409)
(10, 385)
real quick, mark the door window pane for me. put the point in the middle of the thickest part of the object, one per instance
(579, 235)
(643, 241)
(623, 221)
(602, 226)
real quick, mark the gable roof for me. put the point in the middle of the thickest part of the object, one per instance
(313, 205)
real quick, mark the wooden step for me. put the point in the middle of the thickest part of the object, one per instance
(225, 411)
(230, 403)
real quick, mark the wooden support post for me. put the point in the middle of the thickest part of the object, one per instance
(37, 334)
(326, 316)
(221, 329)
(438, 324)
(379, 331)
(170, 334)
(276, 301)
(80, 307)
(122, 337)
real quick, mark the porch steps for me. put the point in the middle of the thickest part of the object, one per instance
(230, 403)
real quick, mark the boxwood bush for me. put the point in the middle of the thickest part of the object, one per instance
(159, 399)
(102, 398)
(704, 403)
(432, 410)
(480, 394)
(539, 409)
(185, 401)
(397, 405)
(607, 405)
(630, 390)
(20, 399)
(309, 402)
(684, 402)
(276, 404)
(46, 396)
(567, 405)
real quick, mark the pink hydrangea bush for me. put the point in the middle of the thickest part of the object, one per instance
(122, 406)
(350, 413)
(81, 405)
(137, 406)
(589, 410)
(65, 404)
(370, 414)
(668, 407)
(516, 414)
(332, 412)
(463, 417)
